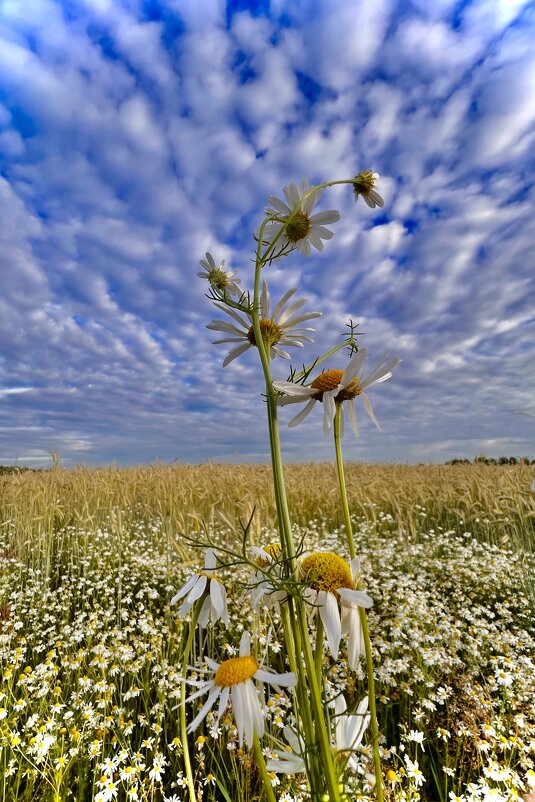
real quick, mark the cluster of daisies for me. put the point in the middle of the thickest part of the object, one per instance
(91, 667)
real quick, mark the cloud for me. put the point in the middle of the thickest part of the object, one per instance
(133, 141)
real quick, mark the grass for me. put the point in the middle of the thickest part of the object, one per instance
(90, 650)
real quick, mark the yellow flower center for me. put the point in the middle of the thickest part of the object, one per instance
(298, 227)
(235, 670)
(329, 380)
(363, 183)
(218, 279)
(274, 551)
(325, 570)
(212, 577)
(271, 333)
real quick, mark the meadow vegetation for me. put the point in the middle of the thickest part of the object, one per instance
(90, 649)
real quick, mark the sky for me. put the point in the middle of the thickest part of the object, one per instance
(137, 135)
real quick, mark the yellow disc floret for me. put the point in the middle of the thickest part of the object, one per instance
(218, 279)
(325, 570)
(235, 670)
(298, 227)
(271, 333)
(329, 380)
(274, 550)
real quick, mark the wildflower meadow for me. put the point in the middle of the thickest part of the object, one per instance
(284, 633)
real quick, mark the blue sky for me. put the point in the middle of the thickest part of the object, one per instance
(135, 136)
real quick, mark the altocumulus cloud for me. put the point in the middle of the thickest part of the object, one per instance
(135, 136)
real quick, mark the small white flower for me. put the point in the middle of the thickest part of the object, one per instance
(299, 229)
(334, 387)
(218, 278)
(364, 185)
(278, 328)
(233, 679)
(214, 606)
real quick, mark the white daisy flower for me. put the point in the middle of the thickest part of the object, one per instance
(218, 278)
(333, 387)
(278, 328)
(330, 580)
(233, 679)
(348, 734)
(214, 606)
(264, 591)
(364, 184)
(300, 229)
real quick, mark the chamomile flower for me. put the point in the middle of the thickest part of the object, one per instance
(278, 327)
(330, 580)
(348, 734)
(264, 590)
(299, 229)
(214, 606)
(219, 279)
(364, 185)
(333, 387)
(233, 679)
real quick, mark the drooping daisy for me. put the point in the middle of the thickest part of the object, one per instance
(218, 278)
(278, 328)
(300, 229)
(331, 580)
(348, 734)
(333, 387)
(206, 583)
(233, 679)
(264, 590)
(364, 185)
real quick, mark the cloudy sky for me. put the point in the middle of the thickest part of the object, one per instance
(135, 135)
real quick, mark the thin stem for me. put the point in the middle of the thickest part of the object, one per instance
(183, 728)
(374, 727)
(342, 480)
(261, 763)
(318, 653)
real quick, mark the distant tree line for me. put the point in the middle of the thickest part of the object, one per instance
(15, 469)
(483, 460)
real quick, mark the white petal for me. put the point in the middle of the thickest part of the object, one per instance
(223, 702)
(329, 216)
(245, 644)
(204, 614)
(235, 352)
(302, 415)
(212, 696)
(285, 298)
(184, 589)
(216, 596)
(197, 590)
(354, 367)
(294, 389)
(330, 615)
(279, 206)
(351, 411)
(329, 410)
(210, 560)
(369, 409)
(357, 597)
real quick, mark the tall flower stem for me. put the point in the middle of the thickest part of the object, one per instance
(261, 763)
(374, 727)
(183, 729)
(305, 672)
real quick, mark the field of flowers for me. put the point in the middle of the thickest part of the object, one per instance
(91, 650)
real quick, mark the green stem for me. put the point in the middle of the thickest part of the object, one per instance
(374, 727)
(261, 763)
(342, 481)
(183, 727)
(318, 654)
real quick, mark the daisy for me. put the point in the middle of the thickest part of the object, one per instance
(364, 184)
(330, 580)
(214, 606)
(348, 734)
(233, 679)
(264, 591)
(333, 387)
(218, 278)
(279, 328)
(299, 229)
